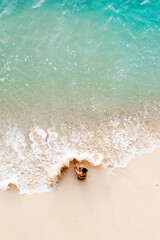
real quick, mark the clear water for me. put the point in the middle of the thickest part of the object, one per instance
(83, 75)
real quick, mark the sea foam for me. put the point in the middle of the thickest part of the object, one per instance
(34, 165)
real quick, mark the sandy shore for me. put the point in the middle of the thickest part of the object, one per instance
(122, 205)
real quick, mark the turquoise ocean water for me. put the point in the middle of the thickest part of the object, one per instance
(78, 79)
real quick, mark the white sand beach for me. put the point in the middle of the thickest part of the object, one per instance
(123, 205)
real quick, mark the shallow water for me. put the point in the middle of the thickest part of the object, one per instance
(78, 79)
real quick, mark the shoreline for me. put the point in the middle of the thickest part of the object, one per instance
(29, 160)
(123, 204)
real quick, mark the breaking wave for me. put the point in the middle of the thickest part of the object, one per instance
(33, 161)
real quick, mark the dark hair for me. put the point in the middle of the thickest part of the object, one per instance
(84, 170)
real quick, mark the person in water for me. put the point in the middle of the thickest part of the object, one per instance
(80, 170)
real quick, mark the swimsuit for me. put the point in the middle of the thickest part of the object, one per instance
(81, 177)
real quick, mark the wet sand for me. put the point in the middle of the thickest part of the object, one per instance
(120, 205)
